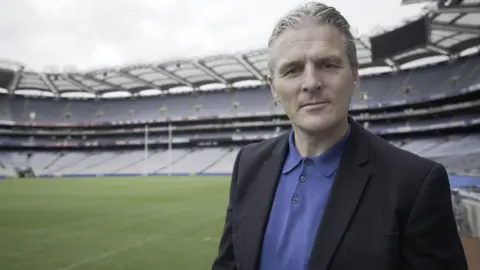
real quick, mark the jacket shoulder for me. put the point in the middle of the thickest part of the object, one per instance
(252, 155)
(265, 146)
(400, 174)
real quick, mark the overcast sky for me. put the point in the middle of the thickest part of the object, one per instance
(101, 33)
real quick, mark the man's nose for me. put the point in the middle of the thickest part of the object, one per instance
(311, 79)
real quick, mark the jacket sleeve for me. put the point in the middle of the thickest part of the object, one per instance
(431, 239)
(225, 259)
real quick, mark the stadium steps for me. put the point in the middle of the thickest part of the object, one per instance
(65, 111)
(401, 88)
(6, 170)
(6, 159)
(7, 165)
(9, 162)
(426, 150)
(25, 112)
(3, 166)
(5, 110)
(233, 100)
(108, 166)
(472, 72)
(433, 146)
(68, 164)
(198, 102)
(461, 70)
(52, 162)
(150, 154)
(222, 156)
(47, 161)
(88, 166)
(175, 161)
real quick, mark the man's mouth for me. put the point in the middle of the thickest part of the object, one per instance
(313, 104)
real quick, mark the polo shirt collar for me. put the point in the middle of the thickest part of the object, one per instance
(327, 163)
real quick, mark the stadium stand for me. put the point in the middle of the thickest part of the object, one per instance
(457, 154)
(404, 85)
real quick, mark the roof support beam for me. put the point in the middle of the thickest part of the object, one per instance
(79, 84)
(455, 28)
(459, 16)
(49, 83)
(16, 80)
(90, 77)
(392, 63)
(409, 2)
(460, 9)
(138, 79)
(245, 63)
(445, 38)
(363, 43)
(170, 75)
(199, 64)
(438, 49)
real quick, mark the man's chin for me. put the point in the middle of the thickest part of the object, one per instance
(316, 125)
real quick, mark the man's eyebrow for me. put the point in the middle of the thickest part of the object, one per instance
(333, 58)
(289, 63)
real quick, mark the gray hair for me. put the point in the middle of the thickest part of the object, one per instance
(317, 13)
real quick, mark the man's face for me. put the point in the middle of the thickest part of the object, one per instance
(312, 77)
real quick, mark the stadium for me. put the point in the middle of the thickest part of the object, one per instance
(102, 182)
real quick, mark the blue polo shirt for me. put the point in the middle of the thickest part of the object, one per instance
(298, 207)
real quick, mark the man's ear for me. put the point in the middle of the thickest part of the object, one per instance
(356, 77)
(272, 87)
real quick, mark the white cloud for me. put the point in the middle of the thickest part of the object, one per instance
(92, 33)
(107, 54)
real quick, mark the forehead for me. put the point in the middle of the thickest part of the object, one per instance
(314, 41)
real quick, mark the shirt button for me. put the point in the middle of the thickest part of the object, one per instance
(295, 199)
(303, 179)
(308, 161)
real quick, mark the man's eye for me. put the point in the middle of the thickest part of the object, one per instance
(292, 70)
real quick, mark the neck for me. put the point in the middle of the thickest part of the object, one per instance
(309, 144)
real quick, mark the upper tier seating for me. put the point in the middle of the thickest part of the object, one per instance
(442, 78)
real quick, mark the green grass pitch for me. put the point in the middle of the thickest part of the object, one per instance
(142, 223)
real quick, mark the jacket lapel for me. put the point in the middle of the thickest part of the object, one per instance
(263, 187)
(351, 179)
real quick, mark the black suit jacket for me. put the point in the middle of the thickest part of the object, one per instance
(388, 209)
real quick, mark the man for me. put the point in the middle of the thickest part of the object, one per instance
(329, 194)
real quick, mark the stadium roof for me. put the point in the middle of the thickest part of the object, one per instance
(453, 29)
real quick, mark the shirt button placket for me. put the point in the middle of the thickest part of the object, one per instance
(295, 199)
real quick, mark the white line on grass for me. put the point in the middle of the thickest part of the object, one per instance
(9, 255)
(113, 252)
(137, 245)
(165, 215)
(206, 238)
(122, 215)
